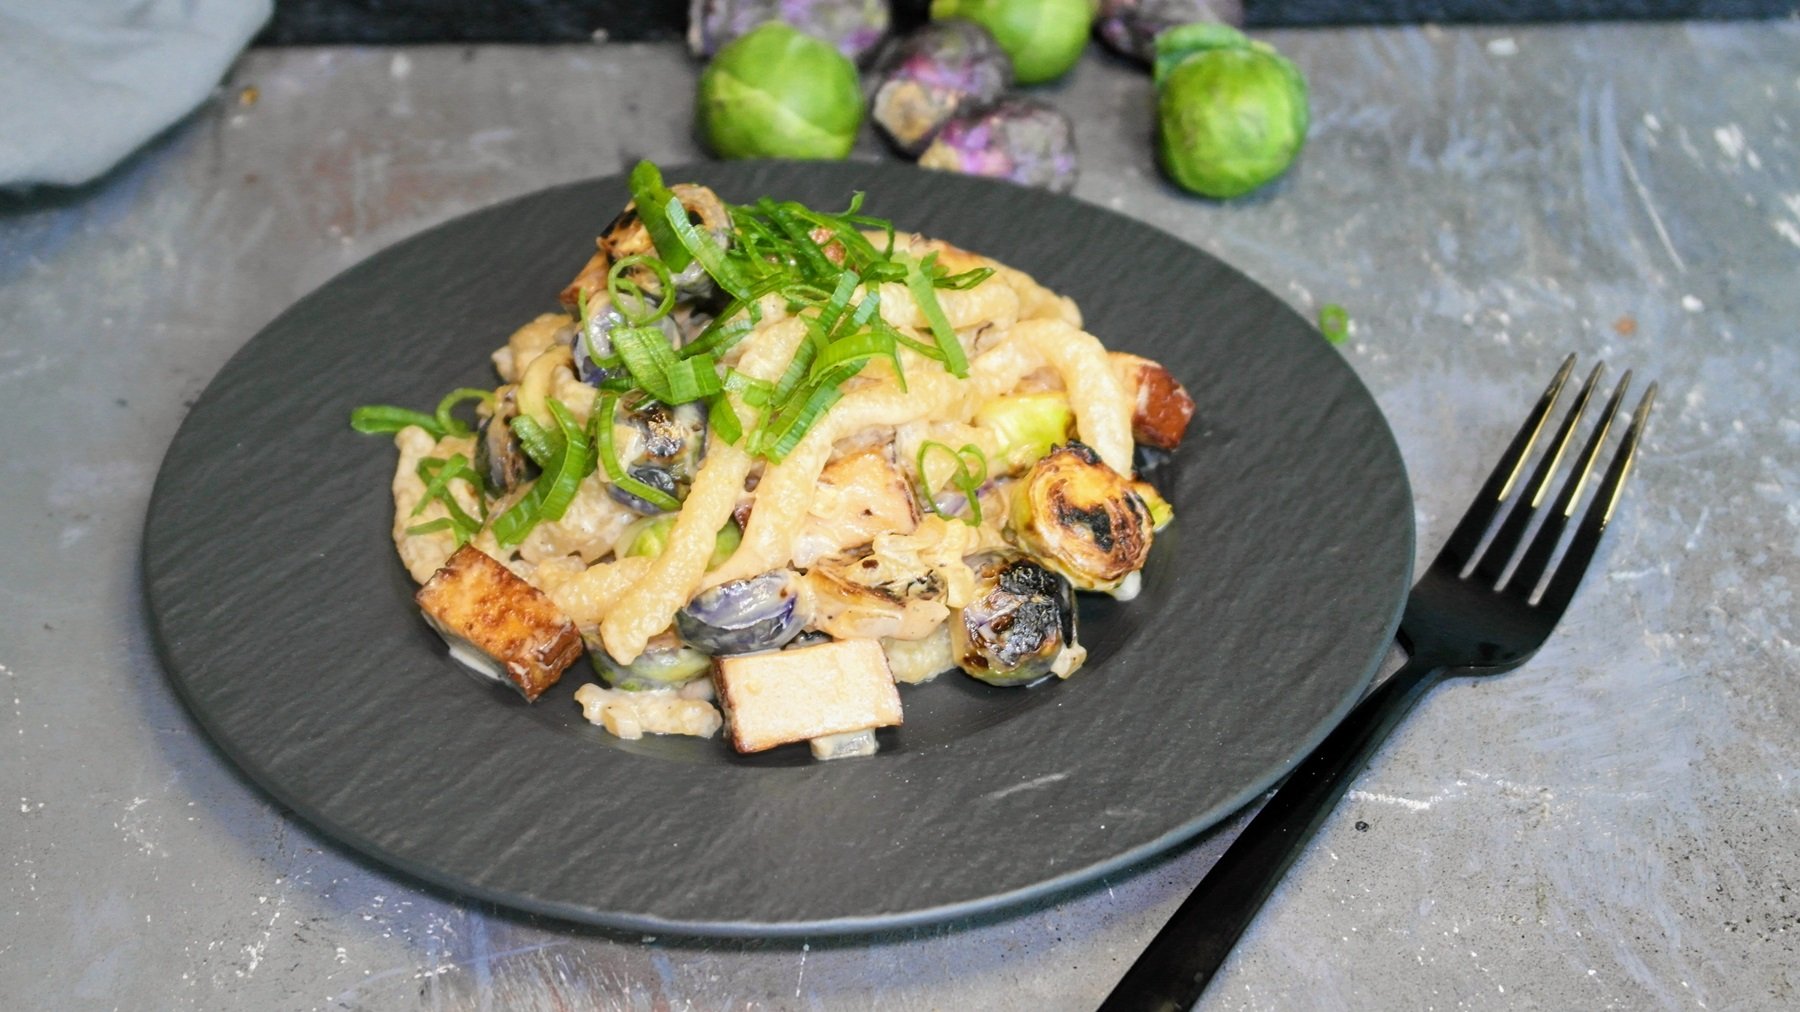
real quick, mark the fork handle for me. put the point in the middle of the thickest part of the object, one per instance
(1183, 957)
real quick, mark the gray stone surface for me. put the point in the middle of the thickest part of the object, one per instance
(1611, 827)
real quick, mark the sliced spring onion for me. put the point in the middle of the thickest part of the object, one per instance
(966, 280)
(628, 297)
(701, 247)
(449, 422)
(967, 479)
(918, 281)
(540, 444)
(652, 199)
(378, 418)
(1334, 322)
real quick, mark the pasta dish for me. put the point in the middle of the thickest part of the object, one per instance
(766, 463)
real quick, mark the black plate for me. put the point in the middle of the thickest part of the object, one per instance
(285, 620)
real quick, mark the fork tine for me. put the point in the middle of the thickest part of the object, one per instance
(1537, 556)
(1506, 541)
(1467, 535)
(1599, 512)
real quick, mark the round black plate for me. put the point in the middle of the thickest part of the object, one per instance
(286, 623)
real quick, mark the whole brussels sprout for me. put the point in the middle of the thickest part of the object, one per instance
(1018, 140)
(922, 80)
(1130, 27)
(1231, 112)
(1044, 37)
(854, 27)
(779, 93)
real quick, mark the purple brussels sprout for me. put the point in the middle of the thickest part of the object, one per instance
(1017, 139)
(855, 27)
(942, 70)
(1130, 27)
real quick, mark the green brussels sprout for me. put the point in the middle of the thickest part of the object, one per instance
(1027, 426)
(649, 537)
(779, 93)
(1231, 112)
(1044, 37)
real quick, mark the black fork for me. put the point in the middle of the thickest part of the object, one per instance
(1475, 612)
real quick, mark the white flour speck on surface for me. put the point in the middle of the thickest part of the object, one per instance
(1503, 46)
(1692, 303)
(400, 67)
(1652, 122)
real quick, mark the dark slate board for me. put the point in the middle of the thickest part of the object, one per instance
(305, 22)
(285, 621)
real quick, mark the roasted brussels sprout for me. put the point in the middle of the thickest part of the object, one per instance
(1130, 27)
(1081, 518)
(1161, 513)
(660, 446)
(1044, 37)
(1019, 626)
(1027, 426)
(499, 458)
(779, 93)
(855, 27)
(1018, 139)
(761, 612)
(940, 71)
(666, 662)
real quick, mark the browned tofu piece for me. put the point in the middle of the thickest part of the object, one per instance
(498, 624)
(1161, 405)
(591, 279)
(797, 695)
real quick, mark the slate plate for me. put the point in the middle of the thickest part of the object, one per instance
(285, 620)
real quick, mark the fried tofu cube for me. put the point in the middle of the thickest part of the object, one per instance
(1161, 406)
(497, 624)
(834, 688)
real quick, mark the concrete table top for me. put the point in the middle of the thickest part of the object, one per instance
(1613, 826)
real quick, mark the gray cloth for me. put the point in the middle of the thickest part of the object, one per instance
(83, 83)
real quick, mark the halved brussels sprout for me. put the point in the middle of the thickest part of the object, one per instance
(665, 663)
(759, 612)
(1027, 426)
(499, 458)
(659, 446)
(1081, 518)
(1019, 627)
(1161, 513)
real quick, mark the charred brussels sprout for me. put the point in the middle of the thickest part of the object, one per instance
(855, 27)
(660, 446)
(1027, 426)
(665, 663)
(938, 72)
(1130, 27)
(1081, 518)
(1018, 140)
(499, 458)
(779, 93)
(1044, 37)
(760, 612)
(1020, 624)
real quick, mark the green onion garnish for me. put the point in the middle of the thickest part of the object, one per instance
(449, 422)
(967, 479)
(379, 418)
(604, 414)
(1334, 322)
(652, 199)
(626, 292)
(918, 281)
